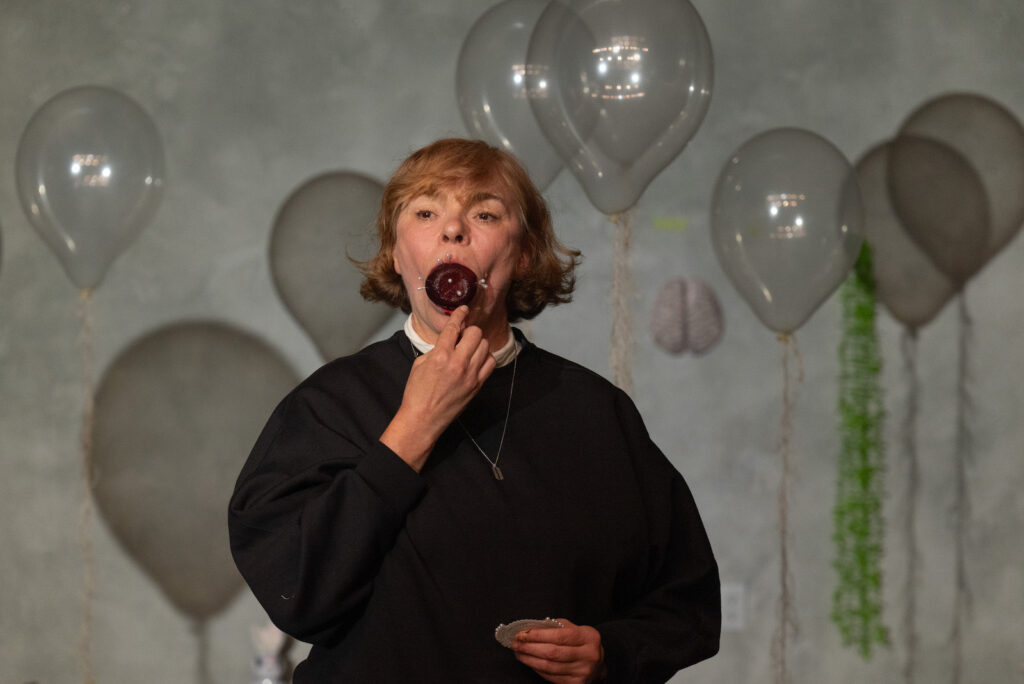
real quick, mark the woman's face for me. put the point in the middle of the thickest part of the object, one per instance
(476, 227)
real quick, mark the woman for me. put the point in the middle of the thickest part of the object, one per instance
(404, 501)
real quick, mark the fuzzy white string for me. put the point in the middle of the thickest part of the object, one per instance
(792, 377)
(909, 348)
(85, 541)
(622, 294)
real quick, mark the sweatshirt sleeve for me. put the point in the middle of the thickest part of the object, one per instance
(675, 620)
(315, 510)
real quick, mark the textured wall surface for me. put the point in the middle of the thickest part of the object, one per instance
(253, 98)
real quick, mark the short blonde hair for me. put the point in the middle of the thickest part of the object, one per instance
(454, 162)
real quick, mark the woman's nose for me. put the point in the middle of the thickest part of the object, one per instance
(454, 231)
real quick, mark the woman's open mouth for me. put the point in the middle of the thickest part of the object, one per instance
(449, 285)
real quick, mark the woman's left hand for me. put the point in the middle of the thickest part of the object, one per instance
(567, 655)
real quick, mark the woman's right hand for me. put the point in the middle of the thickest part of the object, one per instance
(440, 385)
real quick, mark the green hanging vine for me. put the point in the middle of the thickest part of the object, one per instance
(859, 526)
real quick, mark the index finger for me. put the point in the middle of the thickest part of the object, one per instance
(566, 636)
(453, 328)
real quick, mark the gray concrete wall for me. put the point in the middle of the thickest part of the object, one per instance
(252, 98)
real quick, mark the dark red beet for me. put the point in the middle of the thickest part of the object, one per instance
(450, 285)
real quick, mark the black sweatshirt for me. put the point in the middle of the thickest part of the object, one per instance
(395, 576)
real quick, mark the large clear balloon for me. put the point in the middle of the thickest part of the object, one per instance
(323, 223)
(991, 140)
(619, 87)
(942, 202)
(786, 223)
(907, 282)
(490, 82)
(176, 414)
(90, 174)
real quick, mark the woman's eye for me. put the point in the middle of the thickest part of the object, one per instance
(424, 213)
(487, 216)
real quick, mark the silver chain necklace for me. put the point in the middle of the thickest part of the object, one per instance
(495, 470)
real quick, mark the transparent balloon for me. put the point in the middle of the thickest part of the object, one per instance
(907, 282)
(619, 88)
(991, 140)
(490, 82)
(90, 174)
(941, 200)
(323, 223)
(786, 223)
(176, 413)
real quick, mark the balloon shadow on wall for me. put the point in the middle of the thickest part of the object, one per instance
(176, 413)
(90, 173)
(324, 224)
(955, 176)
(786, 227)
(913, 290)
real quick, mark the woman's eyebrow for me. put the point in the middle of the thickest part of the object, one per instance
(478, 197)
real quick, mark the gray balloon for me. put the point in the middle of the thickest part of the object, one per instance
(941, 200)
(490, 83)
(991, 139)
(907, 282)
(176, 414)
(621, 88)
(326, 220)
(786, 223)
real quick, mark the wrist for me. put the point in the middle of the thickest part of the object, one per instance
(410, 442)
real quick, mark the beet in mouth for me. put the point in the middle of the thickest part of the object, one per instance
(450, 285)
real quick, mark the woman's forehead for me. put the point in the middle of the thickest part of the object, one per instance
(467, 193)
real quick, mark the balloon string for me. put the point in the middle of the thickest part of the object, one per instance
(85, 540)
(909, 349)
(199, 628)
(622, 291)
(792, 377)
(961, 504)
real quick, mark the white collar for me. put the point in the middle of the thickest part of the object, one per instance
(502, 357)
